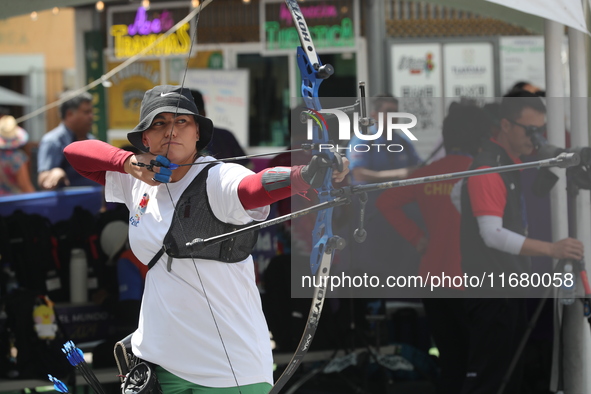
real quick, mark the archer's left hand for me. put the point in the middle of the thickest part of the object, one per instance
(339, 176)
(314, 172)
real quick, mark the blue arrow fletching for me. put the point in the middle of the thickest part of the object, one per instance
(58, 385)
(79, 355)
(74, 355)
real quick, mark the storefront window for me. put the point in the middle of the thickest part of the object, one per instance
(269, 95)
(268, 99)
(343, 83)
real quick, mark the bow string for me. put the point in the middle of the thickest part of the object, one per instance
(164, 162)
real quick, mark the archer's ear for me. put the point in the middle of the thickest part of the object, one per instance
(144, 139)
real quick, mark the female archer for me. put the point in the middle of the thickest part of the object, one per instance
(201, 320)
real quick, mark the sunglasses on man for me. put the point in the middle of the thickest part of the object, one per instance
(530, 130)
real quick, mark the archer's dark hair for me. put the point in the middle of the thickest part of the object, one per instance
(465, 127)
(516, 101)
(74, 103)
(492, 109)
(198, 98)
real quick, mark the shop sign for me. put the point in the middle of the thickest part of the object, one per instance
(127, 91)
(416, 77)
(331, 24)
(132, 29)
(469, 69)
(521, 58)
(416, 70)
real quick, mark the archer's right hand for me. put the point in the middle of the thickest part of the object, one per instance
(144, 172)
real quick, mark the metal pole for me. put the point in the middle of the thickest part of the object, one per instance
(375, 23)
(577, 337)
(553, 37)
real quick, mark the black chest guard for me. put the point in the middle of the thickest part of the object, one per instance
(193, 218)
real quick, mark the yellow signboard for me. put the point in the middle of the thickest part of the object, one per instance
(127, 91)
(132, 29)
(178, 43)
(129, 85)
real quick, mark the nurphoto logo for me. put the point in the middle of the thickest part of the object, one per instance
(386, 123)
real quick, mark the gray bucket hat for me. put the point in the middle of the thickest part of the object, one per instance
(173, 99)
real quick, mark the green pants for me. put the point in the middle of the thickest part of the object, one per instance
(172, 384)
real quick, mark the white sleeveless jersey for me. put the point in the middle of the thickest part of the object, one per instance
(176, 329)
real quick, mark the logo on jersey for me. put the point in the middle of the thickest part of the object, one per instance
(139, 212)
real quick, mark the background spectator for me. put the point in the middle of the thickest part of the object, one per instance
(464, 128)
(528, 87)
(381, 165)
(382, 245)
(14, 174)
(53, 168)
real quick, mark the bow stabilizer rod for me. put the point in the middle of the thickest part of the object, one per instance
(343, 195)
(563, 160)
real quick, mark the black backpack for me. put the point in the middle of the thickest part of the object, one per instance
(33, 254)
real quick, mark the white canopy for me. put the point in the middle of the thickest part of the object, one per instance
(566, 12)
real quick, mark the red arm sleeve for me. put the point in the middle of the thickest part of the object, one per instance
(488, 194)
(253, 194)
(93, 158)
(390, 204)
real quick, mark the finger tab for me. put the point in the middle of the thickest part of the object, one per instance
(163, 161)
(165, 171)
(162, 178)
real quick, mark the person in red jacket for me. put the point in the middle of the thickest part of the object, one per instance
(463, 130)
